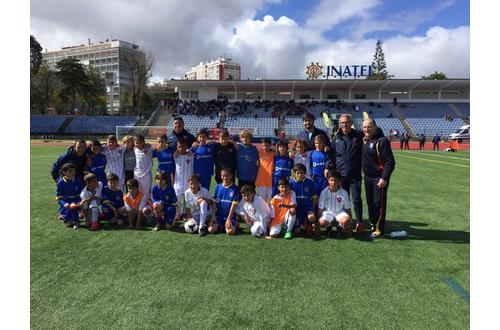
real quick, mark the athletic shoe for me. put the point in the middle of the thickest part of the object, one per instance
(156, 228)
(360, 229)
(288, 235)
(203, 231)
(76, 226)
(94, 226)
(376, 234)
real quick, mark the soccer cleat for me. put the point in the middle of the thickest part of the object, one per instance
(360, 229)
(203, 231)
(76, 226)
(156, 228)
(288, 235)
(94, 226)
(376, 234)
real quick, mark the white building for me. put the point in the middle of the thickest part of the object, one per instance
(220, 69)
(108, 57)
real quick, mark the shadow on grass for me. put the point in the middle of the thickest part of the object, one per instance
(417, 231)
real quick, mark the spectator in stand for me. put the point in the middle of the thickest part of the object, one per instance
(435, 142)
(311, 131)
(76, 155)
(179, 133)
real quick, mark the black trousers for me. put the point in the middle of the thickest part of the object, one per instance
(241, 183)
(353, 188)
(435, 146)
(377, 202)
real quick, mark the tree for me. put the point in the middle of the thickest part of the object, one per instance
(36, 57)
(139, 69)
(43, 88)
(435, 76)
(379, 68)
(94, 90)
(73, 76)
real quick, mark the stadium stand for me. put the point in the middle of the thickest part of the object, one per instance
(386, 124)
(40, 124)
(426, 110)
(87, 125)
(432, 126)
(195, 123)
(263, 126)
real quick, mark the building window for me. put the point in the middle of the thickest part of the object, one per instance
(193, 94)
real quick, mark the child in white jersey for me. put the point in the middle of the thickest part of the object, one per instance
(184, 160)
(198, 203)
(143, 164)
(254, 210)
(91, 197)
(114, 159)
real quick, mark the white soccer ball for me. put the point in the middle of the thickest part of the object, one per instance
(191, 226)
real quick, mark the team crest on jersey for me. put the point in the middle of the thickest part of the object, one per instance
(339, 199)
(76, 189)
(231, 194)
(306, 189)
(188, 161)
(371, 145)
(253, 210)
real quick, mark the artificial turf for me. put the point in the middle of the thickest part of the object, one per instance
(122, 279)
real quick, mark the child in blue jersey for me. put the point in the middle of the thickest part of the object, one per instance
(165, 156)
(226, 197)
(282, 165)
(112, 201)
(68, 195)
(204, 159)
(247, 160)
(306, 200)
(319, 160)
(96, 162)
(164, 202)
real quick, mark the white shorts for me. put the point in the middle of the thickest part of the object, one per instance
(145, 183)
(128, 208)
(265, 193)
(329, 216)
(275, 230)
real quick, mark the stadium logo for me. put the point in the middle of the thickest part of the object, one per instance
(314, 71)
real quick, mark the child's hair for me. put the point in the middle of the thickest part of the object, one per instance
(247, 189)
(95, 142)
(194, 178)
(224, 133)
(333, 174)
(112, 177)
(299, 167)
(80, 141)
(139, 137)
(89, 177)
(267, 140)
(126, 138)
(228, 170)
(163, 137)
(308, 115)
(66, 167)
(246, 133)
(182, 142)
(320, 138)
(300, 142)
(283, 182)
(283, 144)
(133, 183)
(112, 138)
(178, 118)
(161, 176)
(202, 132)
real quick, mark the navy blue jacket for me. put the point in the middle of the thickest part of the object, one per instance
(378, 160)
(304, 135)
(347, 151)
(173, 138)
(69, 157)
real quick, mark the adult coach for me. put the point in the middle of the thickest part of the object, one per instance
(77, 155)
(347, 146)
(378, 165)
(310, 132)
(179, 133)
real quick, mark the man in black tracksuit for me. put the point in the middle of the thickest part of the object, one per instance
(347, 146)
(378, 164)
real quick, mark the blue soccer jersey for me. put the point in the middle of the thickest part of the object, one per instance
(164, 196)
(225, 197)
(204, 163)
(304, 192)
(69, 192)
(166, 162)
(282, 166)
(318, 162)
(97, 166)
(247, 159)
(114, 196)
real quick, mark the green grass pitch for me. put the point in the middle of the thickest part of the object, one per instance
(125, 279)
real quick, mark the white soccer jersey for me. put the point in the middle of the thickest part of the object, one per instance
(258, 210)
(114, 161)
(87, 194)
(191, 200)
(183, 169)
(143, 161)
(336, 202)
(305, 159)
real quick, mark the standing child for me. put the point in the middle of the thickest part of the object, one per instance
(301, 156)
(128, 158)
(254, 210)
(96, 162)
(165, 156)
(334, 204)
(283, 210)
(113, 204)
(136, 204)
(282, 165)
(184, 161)
(264, 181)
(306, 199)
(225, 155)
(247, 158)
(68, 195)
(226, 195)
(91, 197)
(114, 159)
(198, 202)
(164, 202)
(143, 164)
(204, 159)
(319, 163)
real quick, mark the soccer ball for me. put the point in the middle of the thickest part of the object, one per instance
(191, 226)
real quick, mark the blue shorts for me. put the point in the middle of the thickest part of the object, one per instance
(68, 214)
(221, 222)
(168, 215)
(302, 212)
(320, 183)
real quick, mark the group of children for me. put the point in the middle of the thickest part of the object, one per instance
(277, 191)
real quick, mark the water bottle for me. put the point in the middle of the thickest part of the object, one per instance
(397, 234)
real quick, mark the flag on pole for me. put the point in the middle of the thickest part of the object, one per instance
(326, 120)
